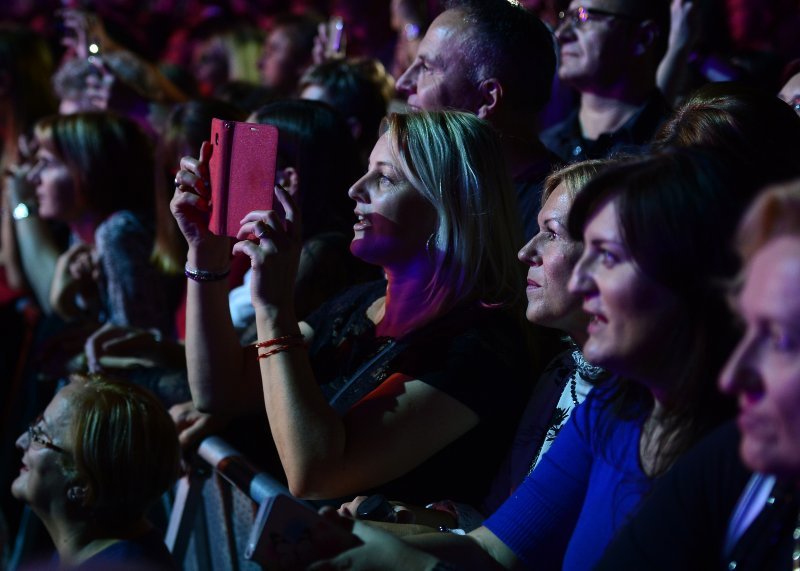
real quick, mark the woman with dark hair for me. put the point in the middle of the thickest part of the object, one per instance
(93, 463)
(437, 216)
(654, 231)
(733, 500)
(316, 149)
(106, 275)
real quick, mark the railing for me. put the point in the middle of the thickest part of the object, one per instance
(215, 509)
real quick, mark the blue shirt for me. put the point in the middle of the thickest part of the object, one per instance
(584, 488)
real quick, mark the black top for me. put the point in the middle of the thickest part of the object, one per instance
(475, 355)
(684, 522)
(566, 140)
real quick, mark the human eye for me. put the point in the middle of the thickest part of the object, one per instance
(782, 341)
(607, 258)
(38, 436)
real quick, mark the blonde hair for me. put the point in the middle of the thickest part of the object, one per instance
(573, 176)
(454, 160)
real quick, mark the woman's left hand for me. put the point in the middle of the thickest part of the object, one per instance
(274, 253)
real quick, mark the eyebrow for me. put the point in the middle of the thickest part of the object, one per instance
(384, 164)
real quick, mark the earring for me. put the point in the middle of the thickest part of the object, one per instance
(430, 244)
(76, 494)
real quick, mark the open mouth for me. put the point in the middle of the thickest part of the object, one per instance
(361, 222)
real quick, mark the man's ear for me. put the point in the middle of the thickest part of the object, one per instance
(646, 37)
(491, 93)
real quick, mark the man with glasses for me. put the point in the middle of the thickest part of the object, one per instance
(497, 60)
(609, 53)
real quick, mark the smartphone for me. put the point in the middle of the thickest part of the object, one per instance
(242, 172)
(289, 535)
(337, 41)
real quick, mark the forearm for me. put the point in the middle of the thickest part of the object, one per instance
(215, 361)
(38, 254)
(671, 73)
(465, 551)
(9, 256)
(309, 435)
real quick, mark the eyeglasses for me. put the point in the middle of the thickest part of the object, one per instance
(579, 16)
(38, 439)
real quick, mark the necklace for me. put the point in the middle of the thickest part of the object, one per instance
(573, 385)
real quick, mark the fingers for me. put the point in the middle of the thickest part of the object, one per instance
(185, 200)
(262, 225)
(92, 347)
(293, 222)
(205, 152)
(193, 175)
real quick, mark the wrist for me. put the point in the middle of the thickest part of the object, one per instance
(275, 321)
(208, 259)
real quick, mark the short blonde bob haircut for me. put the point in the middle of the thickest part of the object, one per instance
(125, 450)
(454, 160)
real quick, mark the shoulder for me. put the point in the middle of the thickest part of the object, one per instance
(347, 309)
(123, 225)
(146, 552)
(479, 357)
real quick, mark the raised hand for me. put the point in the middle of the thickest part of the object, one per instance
(273, 247)
(190, 206)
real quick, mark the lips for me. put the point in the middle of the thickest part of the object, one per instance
(597, 320)
(533, 284)
(362, 223)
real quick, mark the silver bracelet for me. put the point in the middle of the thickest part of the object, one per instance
(203, 275)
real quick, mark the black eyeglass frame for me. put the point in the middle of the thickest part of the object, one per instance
(37, 435)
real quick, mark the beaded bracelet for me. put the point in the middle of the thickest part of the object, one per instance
(292, 338)
(205, 276)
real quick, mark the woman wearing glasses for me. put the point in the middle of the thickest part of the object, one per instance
(96, 459)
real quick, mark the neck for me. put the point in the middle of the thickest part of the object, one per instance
(579, 336)
(406, 305)
(520, 142)
(78, 540)
(601, 113)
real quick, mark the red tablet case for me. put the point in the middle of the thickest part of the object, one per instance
(242, 170)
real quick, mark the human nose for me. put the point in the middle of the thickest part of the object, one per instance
(358, 192)
(565, 27)
(24, 440)
(33, 175)
(581, 280)
(407, 83)
(529, 254)
(740, 372)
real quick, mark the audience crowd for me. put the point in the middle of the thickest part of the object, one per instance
(373, 342)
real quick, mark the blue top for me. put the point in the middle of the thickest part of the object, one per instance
(582, 491)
